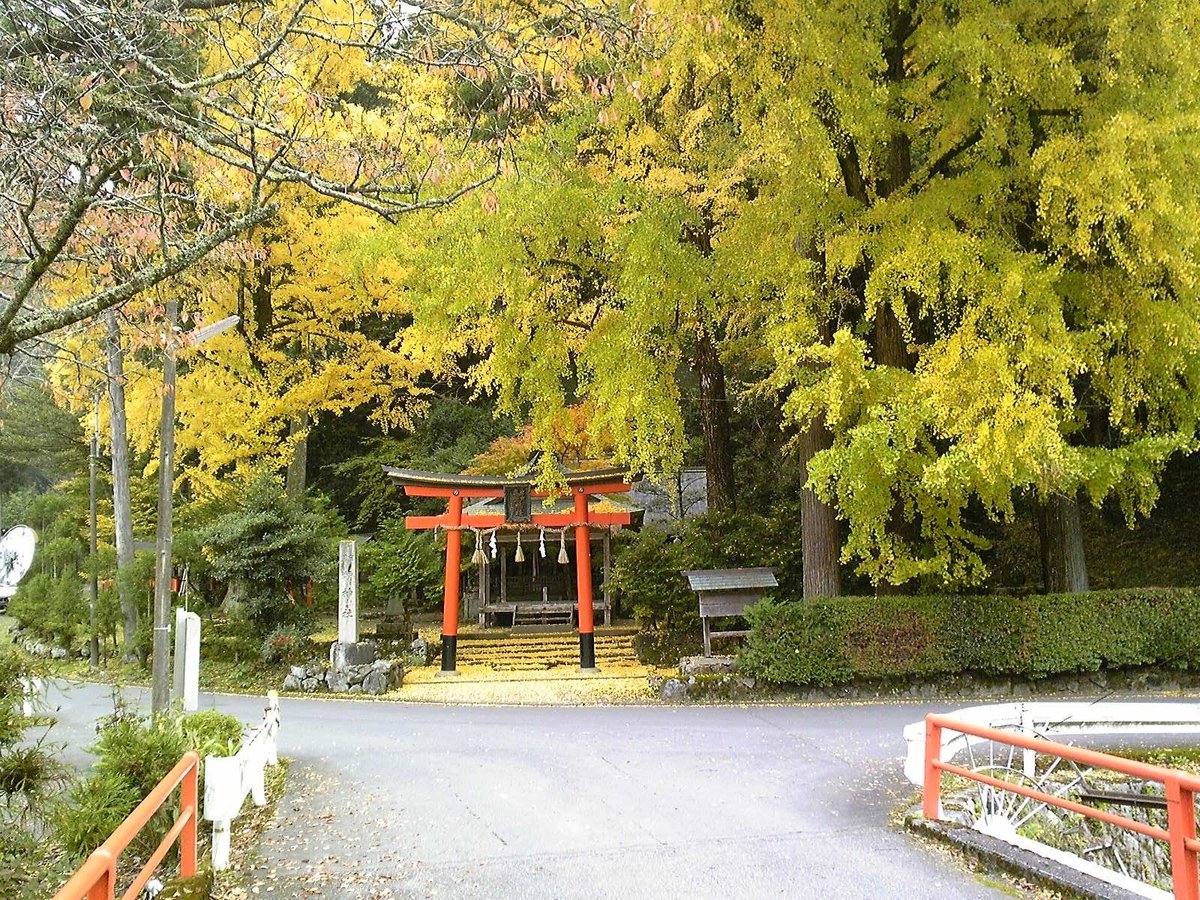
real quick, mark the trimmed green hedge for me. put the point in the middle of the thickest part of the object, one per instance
(838, 640)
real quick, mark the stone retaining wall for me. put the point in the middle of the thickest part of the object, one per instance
(374, 678)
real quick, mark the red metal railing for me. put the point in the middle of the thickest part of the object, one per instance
(97, 877)
(1180, 788)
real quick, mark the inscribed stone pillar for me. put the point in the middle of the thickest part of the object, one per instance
(347, 592)
(187, 659)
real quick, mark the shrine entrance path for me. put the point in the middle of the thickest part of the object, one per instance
(396, 800)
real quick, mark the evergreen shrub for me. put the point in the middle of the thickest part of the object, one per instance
(399, 564)
(646, 575)
(53, 607)
(833, 641)
(287, 645)
(30, 603)
(134, 753)
(266, 547)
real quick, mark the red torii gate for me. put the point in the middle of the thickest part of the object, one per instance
(517, 492)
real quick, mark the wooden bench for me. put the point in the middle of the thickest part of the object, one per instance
(598, 605)
(726, 593)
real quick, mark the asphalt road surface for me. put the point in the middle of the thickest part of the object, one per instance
(390, 800)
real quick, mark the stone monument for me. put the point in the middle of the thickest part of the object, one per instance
(347, 650)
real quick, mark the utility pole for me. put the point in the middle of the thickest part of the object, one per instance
(160, 673)
(93, 588)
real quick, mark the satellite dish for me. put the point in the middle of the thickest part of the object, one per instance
(16, 556)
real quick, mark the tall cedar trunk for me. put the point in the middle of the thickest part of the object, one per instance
(122, 509)
(1064, 565)
(297, 470)
(821, 544)
(714, 420)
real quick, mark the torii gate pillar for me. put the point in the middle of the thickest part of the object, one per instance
(583, 582)
(451, 595)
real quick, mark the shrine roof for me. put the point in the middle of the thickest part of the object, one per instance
(497, 482)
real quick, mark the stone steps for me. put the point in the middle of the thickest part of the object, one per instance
(530, 652)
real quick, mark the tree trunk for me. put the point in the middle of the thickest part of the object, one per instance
(235, 598)
(122, 508)
(898, 164)
(1064, 565)
(890, 349)
(714, 420)
(297, 470)
(889, 343)
(822, 577)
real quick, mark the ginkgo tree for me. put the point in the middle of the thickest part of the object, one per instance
(317, 337)
(520, 292)
(319, 320)
(135, 138)
(998, 233)
(597, 270)
(966, 232)
(573, 285)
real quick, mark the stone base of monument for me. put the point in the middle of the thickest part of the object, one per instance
(343, 655)
(376, 677)
(707, 665)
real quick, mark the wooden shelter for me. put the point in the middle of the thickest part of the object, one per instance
(726, 593)
(587, 509)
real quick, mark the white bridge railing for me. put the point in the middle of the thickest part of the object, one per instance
(227, 779)
(1050, 720)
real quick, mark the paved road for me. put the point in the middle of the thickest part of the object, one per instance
(425, 801)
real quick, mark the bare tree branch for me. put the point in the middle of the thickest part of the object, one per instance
(54, 319)
(117, 120)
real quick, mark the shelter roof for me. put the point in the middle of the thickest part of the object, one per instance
(704, 580)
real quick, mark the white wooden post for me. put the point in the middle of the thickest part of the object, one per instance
(187, 659)
(33, 696)
(177, 658)
(227, 779)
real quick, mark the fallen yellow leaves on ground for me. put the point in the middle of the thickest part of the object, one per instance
(558, 686)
